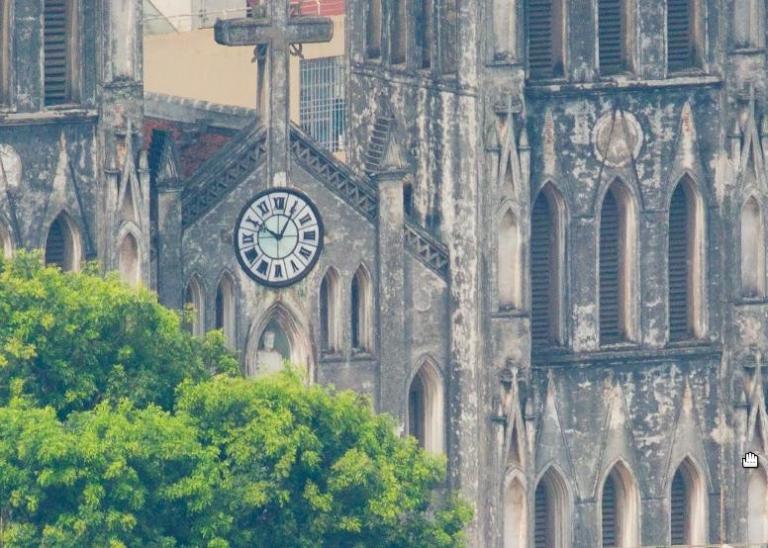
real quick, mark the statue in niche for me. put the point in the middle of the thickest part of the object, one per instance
(273, 349)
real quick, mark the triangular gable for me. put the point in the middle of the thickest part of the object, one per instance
(757, 424)
(687, 439)
(687, 158)
(751, 162)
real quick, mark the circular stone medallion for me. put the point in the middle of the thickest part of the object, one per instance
(617, 137)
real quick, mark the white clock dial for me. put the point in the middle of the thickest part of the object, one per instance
(278, 237)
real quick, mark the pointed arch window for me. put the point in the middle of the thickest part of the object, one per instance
(685, 262)
(614, 35)
(60, 51)
(225, 308)
(508, 263)
(547, 260)
(683, 35)
(546, 52)
(617, 253)
(757, 512)
(550, 511)
(686, 506)
(362, 311)
(398, 31)
(504, 29)
(62, 245)
(195, 303)
(619, 507)
(330, 328)
(752, 250)
(424, 33)
(129, 264)
(426, 408)
(515, 513)
(373, 30)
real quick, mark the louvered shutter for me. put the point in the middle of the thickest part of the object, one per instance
(56, 52)
(219, 308)
(373, 30)
(678, 266)
(325, 328)
(540, 38)
(423, 30)
(416, 410)
(56, 246)
(398, 30)
(609, 512)
(678, 509)
(679, 51)
(610, 331)
(356, 313)
(541, 517)
(541, 271)
(610, 33)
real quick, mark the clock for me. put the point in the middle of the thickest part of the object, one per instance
(278, 237)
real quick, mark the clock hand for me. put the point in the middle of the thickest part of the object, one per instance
(285, 226)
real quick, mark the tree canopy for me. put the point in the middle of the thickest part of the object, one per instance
(118, 428)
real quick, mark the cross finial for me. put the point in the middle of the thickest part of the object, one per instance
(273, 34)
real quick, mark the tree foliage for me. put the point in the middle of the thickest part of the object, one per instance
(113, 432)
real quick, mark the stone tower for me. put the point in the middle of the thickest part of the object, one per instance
(596, 173)
(73, 181)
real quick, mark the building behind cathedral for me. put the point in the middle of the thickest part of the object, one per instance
(544, 253)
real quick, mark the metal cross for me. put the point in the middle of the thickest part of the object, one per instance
(275, 36)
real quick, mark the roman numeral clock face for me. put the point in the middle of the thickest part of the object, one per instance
(278, 237)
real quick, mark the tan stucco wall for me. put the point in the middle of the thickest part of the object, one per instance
(191, 64)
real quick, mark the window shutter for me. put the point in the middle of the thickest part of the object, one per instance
(423, 28)
(398, 32)
(609, 512)
(373, 30)
(56, 246)
(416, 410)
(610, 331)
(325, 331)
(356, 313)
(679, 54)
(541, 271)
(540, 38)
(541, 517)
(678, 266)
(56, 52)
(610, 33)
(678, 509)
(219, 308)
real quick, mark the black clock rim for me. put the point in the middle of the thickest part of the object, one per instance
(320, 242)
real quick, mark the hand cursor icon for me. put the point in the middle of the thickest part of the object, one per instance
(749, 460)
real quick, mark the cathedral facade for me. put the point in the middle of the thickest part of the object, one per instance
(544, 254)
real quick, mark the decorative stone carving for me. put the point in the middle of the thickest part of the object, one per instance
(617, 138)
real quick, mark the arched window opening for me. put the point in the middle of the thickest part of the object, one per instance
(757, 508)
(194, 303)
(60, 51)
(508, 263)
(128, 261)
(748, 23)
(504, 30)
(546, 268)
(515, 514)
(449, 36)
(373, 30)
(682, 35)
(330, 328)
(546, 52)
(362, 311)
(424, 31)
(62, 246)
(225, 308)
(398, 31)
(550, 508)
(619, 508)
(408, 200)
(614, 35)
(426, 408)
(684, 262)
(686, 506)
(617, 253)
(752, 250)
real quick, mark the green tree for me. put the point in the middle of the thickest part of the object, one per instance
(118, 428)
(77, 339)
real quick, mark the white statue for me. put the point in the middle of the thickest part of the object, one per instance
(268, 360)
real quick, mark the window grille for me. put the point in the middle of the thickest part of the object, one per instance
(678, 509)
(679, 37)
(322, 101)
(609, 512)
(677, 264)
(56, 51)
(541, 531)
(542, 239)
(610, 330)
(610, 33)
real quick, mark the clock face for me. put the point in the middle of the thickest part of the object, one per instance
(278, 237)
